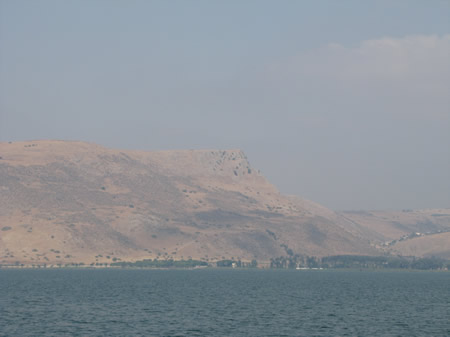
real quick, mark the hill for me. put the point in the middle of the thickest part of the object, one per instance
(64, 202)
(74, 202)
(408, 232)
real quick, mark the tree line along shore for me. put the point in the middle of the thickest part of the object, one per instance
(282, 262)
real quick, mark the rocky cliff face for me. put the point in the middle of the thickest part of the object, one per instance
(72, 202)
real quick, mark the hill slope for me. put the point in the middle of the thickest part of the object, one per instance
(407, 232)
(64, 202)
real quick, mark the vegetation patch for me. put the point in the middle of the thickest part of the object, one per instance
(359, 262)
(149, 263)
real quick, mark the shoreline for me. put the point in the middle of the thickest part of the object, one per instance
(224, 268)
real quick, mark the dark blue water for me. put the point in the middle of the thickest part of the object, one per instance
(223, 303)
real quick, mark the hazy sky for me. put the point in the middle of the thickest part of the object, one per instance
(346, 103)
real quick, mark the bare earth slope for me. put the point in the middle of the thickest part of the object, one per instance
(66, 202)
(408, 232)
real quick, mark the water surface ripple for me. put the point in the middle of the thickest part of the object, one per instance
(223, 303)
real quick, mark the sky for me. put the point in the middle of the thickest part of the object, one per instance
(346, 103)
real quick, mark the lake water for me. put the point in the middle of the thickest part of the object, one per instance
(223, 303)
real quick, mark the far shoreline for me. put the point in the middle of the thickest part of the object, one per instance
(212, 268)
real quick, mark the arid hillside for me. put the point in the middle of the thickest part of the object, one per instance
(73, 202)
(407, 232)
(64, 202)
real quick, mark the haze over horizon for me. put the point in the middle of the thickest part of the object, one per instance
(326, 101)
